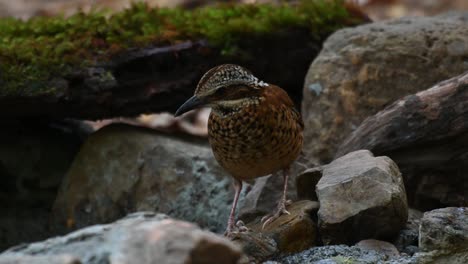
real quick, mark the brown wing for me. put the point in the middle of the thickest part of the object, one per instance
(278, 96)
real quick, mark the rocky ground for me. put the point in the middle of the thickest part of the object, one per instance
(383, 178)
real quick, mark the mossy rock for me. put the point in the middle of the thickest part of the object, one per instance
(89, 56)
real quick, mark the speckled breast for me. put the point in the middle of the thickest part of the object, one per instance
(257, 140)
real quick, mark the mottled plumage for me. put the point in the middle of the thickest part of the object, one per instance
(259, 138)
(253, 129)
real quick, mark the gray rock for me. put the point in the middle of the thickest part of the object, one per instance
(23, 259)
(335, 254)
(137, 238)
(444, 229)
(361, 197)
(362, 69)
(122, 169)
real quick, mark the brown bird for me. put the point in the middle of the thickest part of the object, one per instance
(253, 129)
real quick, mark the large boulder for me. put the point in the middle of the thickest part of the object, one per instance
(122, 169)
(361, 196)
(360, 70)
(138, 238)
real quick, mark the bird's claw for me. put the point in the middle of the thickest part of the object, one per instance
(239, 227)
(269, 218)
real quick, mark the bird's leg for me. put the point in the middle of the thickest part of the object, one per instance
(230, 224)
(281, 204)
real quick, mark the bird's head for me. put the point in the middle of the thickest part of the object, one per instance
(227, 87)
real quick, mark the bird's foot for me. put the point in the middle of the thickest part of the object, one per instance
(269, 218)
(233, 231)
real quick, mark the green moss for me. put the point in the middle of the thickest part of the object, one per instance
(37, 50)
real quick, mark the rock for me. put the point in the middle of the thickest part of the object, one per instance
(262, 198)
(407, 239)
(306, 182)
(122, 169)
(361, 197)
(294, 232)
(383, 247)
(22, 259)
(426, 135)
(444, 229)
(360, 70)
(258, 246)
(337, 254)
(137, 238)
(287, 234)
(34, 158)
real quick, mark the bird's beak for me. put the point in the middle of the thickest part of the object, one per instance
(192, 103)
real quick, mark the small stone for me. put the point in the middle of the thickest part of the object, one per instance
(292, 232)
(287, 234)
(257, 246)
(361, 197)
(380, 246)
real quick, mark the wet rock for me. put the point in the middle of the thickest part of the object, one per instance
(407, 239)
(122, 169)
(34, 158)
(361, 197)
(137, 238)
(360, 70)
(444, 229)
(383, 247)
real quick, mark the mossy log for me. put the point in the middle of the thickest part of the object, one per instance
(99, 65)
(426, 134)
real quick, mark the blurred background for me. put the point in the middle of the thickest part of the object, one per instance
(377, 9)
